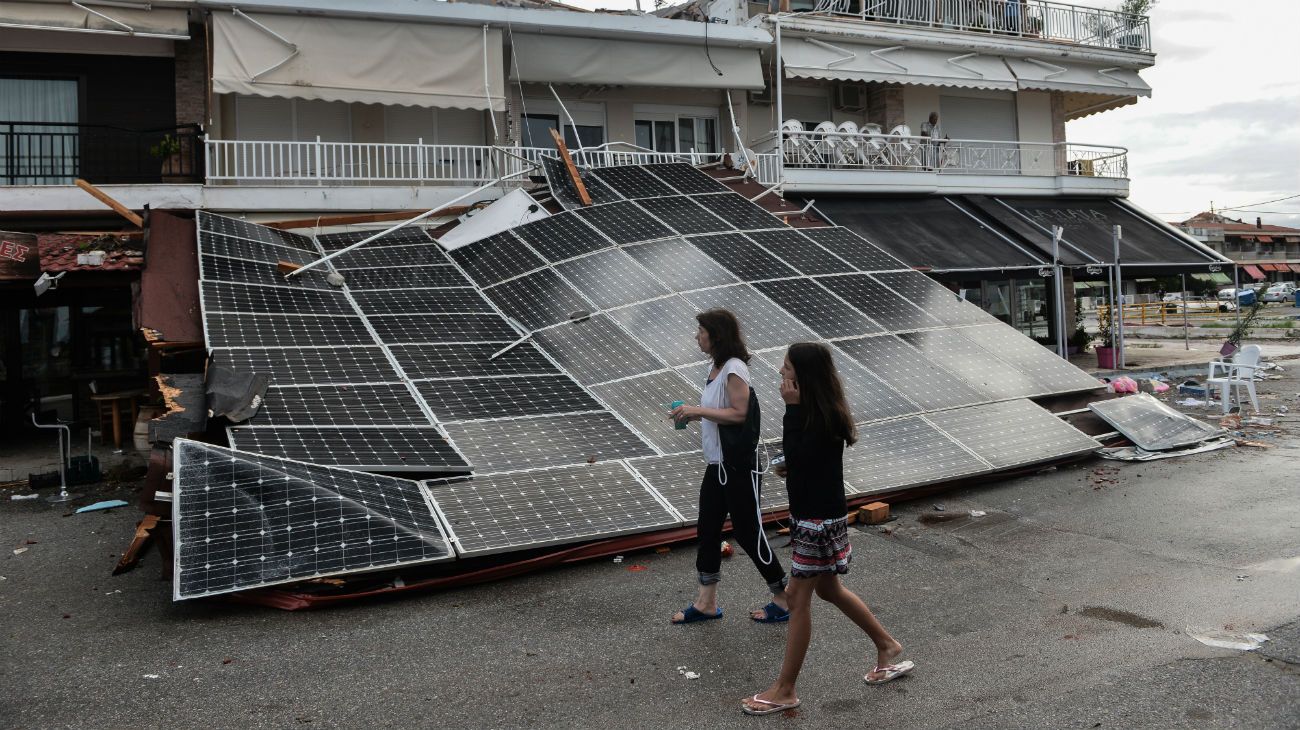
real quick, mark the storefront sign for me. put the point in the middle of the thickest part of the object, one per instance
(20, 258)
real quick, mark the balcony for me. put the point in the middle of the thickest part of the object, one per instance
(38, 153)
(1030, 19)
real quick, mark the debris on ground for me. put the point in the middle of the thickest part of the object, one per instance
(939, 508)
(18, 497)
(1225, 639)
(1104, 476)
(107, 504)
(977, 513)
(727, 550)
(618, 559)
(688, 674)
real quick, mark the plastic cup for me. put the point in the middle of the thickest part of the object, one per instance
(679, 425)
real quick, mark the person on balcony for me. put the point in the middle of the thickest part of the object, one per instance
(930, 129)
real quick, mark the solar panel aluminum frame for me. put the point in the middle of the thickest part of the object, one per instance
(178, 497)
(368, 468)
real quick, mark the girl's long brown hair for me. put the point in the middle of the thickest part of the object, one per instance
(724, 336)
(821, 392)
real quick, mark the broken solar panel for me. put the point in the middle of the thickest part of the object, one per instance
(823, 312)
(241, 248)
(540, 299)
(241, 271)
(383, 256)
(469, 399)
(643, 403)
(420, 449)
(1152, 425)
(245, 521)
(682, 215)
(633, 182)
(305, 365)
(686, 179)
(737, 211)
(877, 302)
(744, 258)
(506, 512)
(611, 278)
(220, 296)
(665, 326)
(544, 441)
(904, 452)
(596, 350)
(284, 330)
(1012, 433)
(252, 231)
(404, 277)
(1051, 373)
(936, 299)
(443, 300)
(623, 222)
(405, 236)
(798, 251)
(496, 258)
(368, 404)
(562, 188)
(854, 249)
(470, 360)
(680, 265)
(952, 350)
(904, 369)
(561, 237)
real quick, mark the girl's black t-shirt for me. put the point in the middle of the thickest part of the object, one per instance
(814, 462)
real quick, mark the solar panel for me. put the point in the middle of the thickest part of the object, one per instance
(240, 271)
(1152, 425)
(596, 350)
(339, 405)
(623, 222)
(284, 330)
(368, 448)
(742, 257)
(538, 300)
(686, 179)
(633, 182)
(436, 328)
(557, 176)
(823, 312)
(562, 236)
(680, 265)
(244, 521)
(936, 299)
(544, 441)
(496, 258)
(455, 361)
(797, 250)
(611, 279)
(738, 211)
(405, 277)
(870, 399)
(506, 512)
(240, 248)
(424, 254)
(307, 365)
(854, 249)
(1012, 433)
(903, 369)
(666, 326)
(224, 297)
(874, 300)
(762, 322)
(406, 236)
(252, 231)
(463, 300)
(955, 352)
(643, 403)
(683, 215)
(903, 453)
(467, 399)
(1050, 372)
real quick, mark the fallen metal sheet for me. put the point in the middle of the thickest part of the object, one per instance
(1152, 425)
(1133, 453)
(234, 394)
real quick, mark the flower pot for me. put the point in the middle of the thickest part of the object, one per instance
(1105, 357)
(1228, 349)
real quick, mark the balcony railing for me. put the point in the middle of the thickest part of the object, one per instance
(866, 151)
(40, 153)
(1050, 21)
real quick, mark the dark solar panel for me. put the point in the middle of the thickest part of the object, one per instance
(611, 279)
(562, 188)
(434, 328)
(308, 365)
(373, 448)
(797, 250)
(686, 179)
(284, 330)
(823, 312)
(623, 222)
(632, 182)
(496, 258)
(680, 265)
(457, 361)
(874, 300)
(683, 215)
(467, 399)
(252, 231)
(538, 300)
(854, 249)
(463, 300)
(240, 271)
(742, 257)
(383, 256)
(738, 211)
(407, 236)
(934, 298)
(562, 236)
(220, 296)
(339, 405)
(241, 248)
(404, 277)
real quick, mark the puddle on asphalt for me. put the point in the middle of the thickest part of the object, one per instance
(1120, 617)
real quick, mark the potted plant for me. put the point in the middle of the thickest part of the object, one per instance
(168, 150)
(1105, 352)
(1079, 339)
(1244, 325)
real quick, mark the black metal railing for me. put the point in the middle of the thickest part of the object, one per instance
(40, 153)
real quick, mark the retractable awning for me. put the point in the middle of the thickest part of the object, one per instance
(1265, 239)
(144, 22)
(1213, 278)
(1252, 272)
(1294, 267)
(603, 61)
(361, 61)
(1088, 88)
(817, 59)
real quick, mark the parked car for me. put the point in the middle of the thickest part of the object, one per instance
(1280, 292)
(1200, 305)
(1173, 296)
(1245, 297)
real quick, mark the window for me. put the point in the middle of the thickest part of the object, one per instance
(536, 132)
(669, 129)
(273, 119)
(47, 152)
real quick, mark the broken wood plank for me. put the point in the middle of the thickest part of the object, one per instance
(117, 207)
(874, 513)
(286, 267)
(359, 218)
(143, 534)
(574, 177)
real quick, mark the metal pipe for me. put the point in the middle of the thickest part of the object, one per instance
(780, 110)
(1118, 233)
(1060, 293)
(567, 115)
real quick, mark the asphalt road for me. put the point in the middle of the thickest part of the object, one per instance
(1067, 606)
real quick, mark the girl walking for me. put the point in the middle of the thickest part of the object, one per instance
(817, 427)
(729, 428)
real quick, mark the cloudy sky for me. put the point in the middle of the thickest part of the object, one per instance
(1223, 122)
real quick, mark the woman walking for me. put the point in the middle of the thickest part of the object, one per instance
(729, 427)
(817, 427)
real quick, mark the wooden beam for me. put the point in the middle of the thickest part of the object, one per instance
(143, 534)
(117, 207)
(572, 168)
(357, 218)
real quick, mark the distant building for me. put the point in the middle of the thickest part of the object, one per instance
(1264, 252)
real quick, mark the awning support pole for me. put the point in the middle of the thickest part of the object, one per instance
(1060, 294)
(1187, 343)
(402, 224)
(780, 116)
(568, 116)
(1119, 294)
(1236, 291)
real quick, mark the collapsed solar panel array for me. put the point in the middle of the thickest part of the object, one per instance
(565, 435)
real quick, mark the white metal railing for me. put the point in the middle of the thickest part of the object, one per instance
(1051, 21)
(867, 151)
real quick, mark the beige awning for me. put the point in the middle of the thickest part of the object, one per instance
(813, 58)
(1073, 76)
(362, 61)
(571, 60)
(170, 23)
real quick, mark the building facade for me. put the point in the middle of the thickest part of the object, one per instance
(1263, 253)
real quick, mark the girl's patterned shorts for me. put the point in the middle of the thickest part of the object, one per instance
(820, 546)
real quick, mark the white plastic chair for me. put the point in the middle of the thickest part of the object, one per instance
(1236, 374)
(796, 146)
(823, 139)
(874, 147)
(848, 144)
(904, 151)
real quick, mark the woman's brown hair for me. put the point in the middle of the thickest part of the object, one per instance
(821, 392)
(724, 336)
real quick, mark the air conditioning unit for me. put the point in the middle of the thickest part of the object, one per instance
(850, 98)
(762, 97)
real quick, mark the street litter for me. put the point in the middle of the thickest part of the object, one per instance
(18, 497)
(1133, 453)
(107, 504)
(1221, 639)
(20, 551)
(1123, 384)
(978, 513)
(1256, 421)
(691, 675)
(618, 558)
(1255, 444)
(1191, 402)
(151, 676)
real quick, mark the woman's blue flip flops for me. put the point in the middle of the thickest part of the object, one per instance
(691, 614)
(772, 614)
